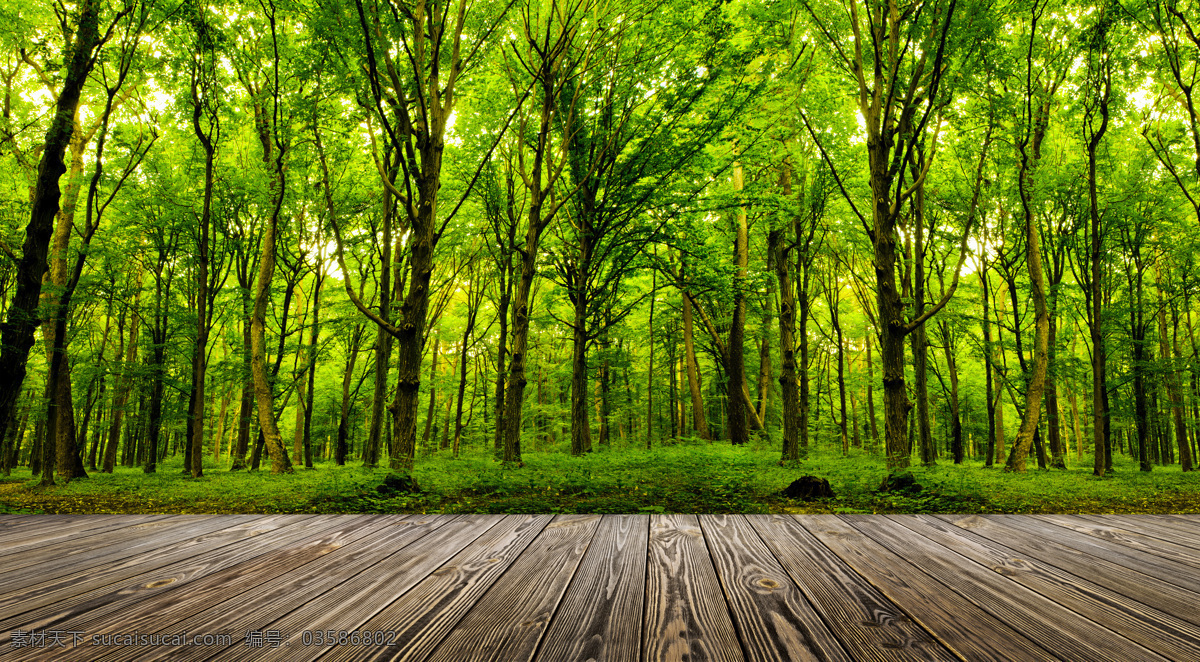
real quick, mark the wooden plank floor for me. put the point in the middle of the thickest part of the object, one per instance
(512, 588)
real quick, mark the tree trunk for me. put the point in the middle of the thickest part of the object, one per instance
(789, 397)
(311, 369)
(870, 394)
(514, 391)
(956, 441)
(17, 332)
(1037, 284)
(693, 371)
(989, 366)
(920, 339)
(429, 414)
(650, 365)
(462, 378)
(735, 364)
(581, 427)
(1176, 391)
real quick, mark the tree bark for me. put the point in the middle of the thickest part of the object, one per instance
(17, 332)
(735, 364)
(650, 365)
(1038, 118)
(789, 397)
(429, 414)
(1177, 400)
(693, 371)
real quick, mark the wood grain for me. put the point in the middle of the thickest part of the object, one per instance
(428, 612)
(1173, 572)
(961, 625)
(869, 626)
(1163, 528)
(96, 589)
(1127, 538)
(686, 617)
(507, 624)
(620, 588)
(772, 617)
(1156, 593)
(1161, 632)
(264, 607)
(349, 604)
(67, 556)
(1051, 625)
(600, 617)
(17, 538)
(176, 603)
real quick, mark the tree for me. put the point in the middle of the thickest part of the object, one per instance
(899, 61)
(16, 334)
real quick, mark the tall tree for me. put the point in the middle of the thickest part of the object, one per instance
(16, 334)
(899, 61)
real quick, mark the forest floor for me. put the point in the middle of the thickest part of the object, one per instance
(684, 478)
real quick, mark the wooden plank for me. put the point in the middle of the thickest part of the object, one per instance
(17, 522)
(1046, 622)
(1161, 632)
(772, 618)
(174, 604)
(1127, 538)
(68, 556)
(1191, 519)
(600, 617)
(1155, 528)
(347, 601)
(869, 626)
(507, 624)
(686, 615)
(1183, 576)
(128, 585)
(181, 562)
(263, 607)
(1161, 595)
(961, 625)
(424, 615)
(41, 529)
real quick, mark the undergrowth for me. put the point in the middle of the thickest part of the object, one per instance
(689, 477)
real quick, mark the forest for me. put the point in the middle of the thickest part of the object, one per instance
(251, 234)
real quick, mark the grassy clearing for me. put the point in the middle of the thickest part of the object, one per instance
(698, 478)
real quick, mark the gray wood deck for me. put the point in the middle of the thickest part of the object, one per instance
(513, 588)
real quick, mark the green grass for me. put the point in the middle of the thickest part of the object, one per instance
(684, 478)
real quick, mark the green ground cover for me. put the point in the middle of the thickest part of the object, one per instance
(684, 478)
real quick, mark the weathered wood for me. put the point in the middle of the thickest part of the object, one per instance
(613, 588)
(426, 614)
(20, 526)
(263, 608)
(1039, 618)
(773, 618)
(1127, 538)
(1178, 574)
(1162, 529)
(45, 547)
(174, 604)
(508, 622)
(1159, 631)
(686, 617)
(600, 617)
(67, 557)
(349, 605)
(95, 589)
(961, 625)
(1156, 593)
(1191, 520)
(869, 626)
